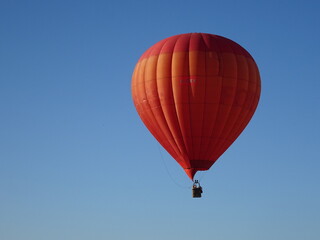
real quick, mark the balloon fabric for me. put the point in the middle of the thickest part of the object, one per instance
(196, 93)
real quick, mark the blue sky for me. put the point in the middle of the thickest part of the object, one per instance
(77, 163)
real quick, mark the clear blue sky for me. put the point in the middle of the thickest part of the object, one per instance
(76, 162)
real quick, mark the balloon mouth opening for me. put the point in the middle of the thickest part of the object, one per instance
(191, 172)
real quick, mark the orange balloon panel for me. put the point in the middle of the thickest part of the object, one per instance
(196, 93)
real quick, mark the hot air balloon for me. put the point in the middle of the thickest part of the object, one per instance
(196, 93)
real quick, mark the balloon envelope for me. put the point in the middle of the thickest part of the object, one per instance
(196, 93)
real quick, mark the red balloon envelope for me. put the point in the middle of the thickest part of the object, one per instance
(196, 93)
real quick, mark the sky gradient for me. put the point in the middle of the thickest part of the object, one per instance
(76, 162)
